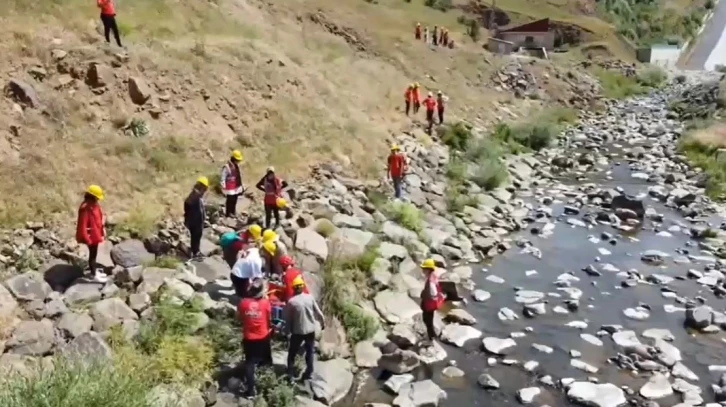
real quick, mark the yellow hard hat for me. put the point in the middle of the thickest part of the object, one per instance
(203, 181)
(281, 203)
(429, 264)
(270, 247)
(237, 155)
(255, 231)
(395, 147)
(269, 235)
(415, 85)
(96, 191)
(412, 85)
(298, 282)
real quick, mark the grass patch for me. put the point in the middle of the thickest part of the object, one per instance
(345, 282)
(456, 200)
(615, 85)
(707, 158)
(378, 199)
(165, 262)
(710, 233)
(457, 137)
(456, 170)
(490, 174)
(405, 214)
(140, 222)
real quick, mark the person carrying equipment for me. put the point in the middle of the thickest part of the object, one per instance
(416, 98)
(430, 104)
(233, 242)
(255, 314)
(247, 268)
(194, 215)
(290, 273)
(440, 99)
(231, 181)
(301, 312)
(408, 98)
(397, 168)
(431, 297)
(417, 32)
(90, 228)
(272, 186)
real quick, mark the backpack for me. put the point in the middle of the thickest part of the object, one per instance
(228, 239)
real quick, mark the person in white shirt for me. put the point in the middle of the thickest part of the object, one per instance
(247, 268)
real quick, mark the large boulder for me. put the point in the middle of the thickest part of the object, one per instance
(110, 312)
(349, 243)
(131, 253)
(630, 203)
(83, 293)
(699, 317)
(73, 325)
(32, 338)
(396, 307)
(400, 361)
(331, 380)
(89, 346)
(307, 240)
(596, 395)
(29, 286)
(419, 394)
(23, 92)
(8, 305)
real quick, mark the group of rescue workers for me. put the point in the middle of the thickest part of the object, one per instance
(274, 298)
(438, 37)
(412, 98)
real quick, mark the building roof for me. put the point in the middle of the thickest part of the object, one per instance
(538, 26)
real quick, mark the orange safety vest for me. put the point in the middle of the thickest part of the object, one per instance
(430, 104)
(233, 180)
(432, 304)
(107, 8)
(273, 190)
(416, 95)
(408, 95)
(397, 164)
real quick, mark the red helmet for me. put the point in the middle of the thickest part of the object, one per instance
(286, 261)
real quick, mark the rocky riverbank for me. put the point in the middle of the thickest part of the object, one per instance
(618, 248)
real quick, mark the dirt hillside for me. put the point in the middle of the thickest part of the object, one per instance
(291, 83)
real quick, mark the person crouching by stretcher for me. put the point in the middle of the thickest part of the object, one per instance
(234, 242)
(247, 268)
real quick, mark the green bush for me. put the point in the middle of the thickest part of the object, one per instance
(456, 201)
(653, 77)
(405, 214)
(615, 85)
(490, 174)
(358, 324)
(276, 391)
(457, 137)
(75, 384)
(223, 334)
(324, 227)
(706, 157)
(456, 170)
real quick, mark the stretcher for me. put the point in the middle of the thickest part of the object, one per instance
(275, 291)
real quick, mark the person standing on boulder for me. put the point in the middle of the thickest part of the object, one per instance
(90, 228)
(108, 18)
(194, 215)
(231, 181)
(272, 186)
(255, 314)
(300, 312)
(431, 297)
(417, 32)
(397, 168)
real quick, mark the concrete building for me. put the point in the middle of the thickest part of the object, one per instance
(536, 34)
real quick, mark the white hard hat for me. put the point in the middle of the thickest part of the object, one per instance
(431, 94)
(270, 169)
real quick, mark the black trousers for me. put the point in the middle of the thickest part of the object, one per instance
(92, 254)
(195, 233)
(441, 116)
(428, 320)
(230, 207)
(308, 342)
(269, 211)
(257, 353)
(240, 285)
(109, 24)
(408, 107)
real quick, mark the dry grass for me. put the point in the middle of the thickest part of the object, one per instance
(225, 74)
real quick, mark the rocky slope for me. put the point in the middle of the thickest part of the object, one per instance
(50, 309)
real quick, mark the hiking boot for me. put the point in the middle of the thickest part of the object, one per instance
(100, 277)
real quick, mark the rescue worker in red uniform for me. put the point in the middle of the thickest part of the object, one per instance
(440, 98)
(272, 186)
(89, 229)
(416, 98)
(445, 37)
(108, 18)
(397, 168)
(408, 98)
(417, 32)
(231, 181)
(432, 298)
(430, 104)
(290, 273)
(255, 314)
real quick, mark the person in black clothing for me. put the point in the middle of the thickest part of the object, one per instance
(272, 186)
(194, 215)
(108, 18)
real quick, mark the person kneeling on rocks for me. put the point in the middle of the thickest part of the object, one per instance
(234, 242)
(255, 314)
(301, 311)
(247, 268)
(432, 298)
